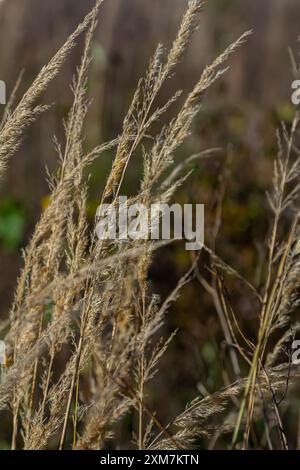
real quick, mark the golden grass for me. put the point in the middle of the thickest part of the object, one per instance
(91, 298)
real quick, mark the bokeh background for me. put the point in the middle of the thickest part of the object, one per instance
(240, 115)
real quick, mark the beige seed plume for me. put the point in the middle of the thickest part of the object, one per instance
(27, 111)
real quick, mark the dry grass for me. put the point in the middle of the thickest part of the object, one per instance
(88, 301)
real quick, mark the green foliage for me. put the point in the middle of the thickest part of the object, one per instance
(12, 224)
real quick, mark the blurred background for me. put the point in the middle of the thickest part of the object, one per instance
(240, 115)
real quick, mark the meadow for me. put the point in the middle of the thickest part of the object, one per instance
(101, 351)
